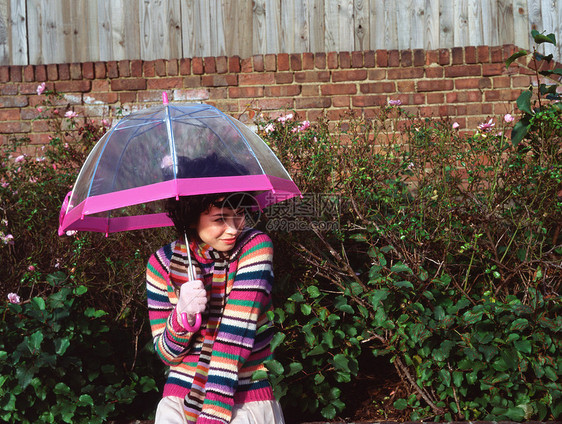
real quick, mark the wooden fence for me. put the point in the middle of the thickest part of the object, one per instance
(68, 31)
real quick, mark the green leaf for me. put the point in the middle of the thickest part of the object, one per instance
(329, 412)
(85, 400)
(306, 309)
(541, 38)
(515, 56)
(39, 302)
(61, 389)
(519, 132)
(277, 339)
(401, 267)
(523, 346)
(294, 368)
(275, 367)
(340, 303)
(400, 404)
(341, 362)
(259, 375)
(35, 341)
(524, 102)
(313, 291)
(515, 413)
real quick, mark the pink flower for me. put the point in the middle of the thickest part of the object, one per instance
(31, 268)
(508, 118)
(269, 128)
(304, 126)
(394, 102)
(70, 114)
(5, 184)
(285, 118)
(486, 126)
(13, 298)
(8, 239)
(105, 122)
(39, 109)
(40, 88)
(71, 233)
(456, 125)
(20, 158)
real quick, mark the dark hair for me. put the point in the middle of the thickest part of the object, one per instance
(185, 211)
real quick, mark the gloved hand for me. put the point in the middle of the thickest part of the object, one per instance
(192, 300)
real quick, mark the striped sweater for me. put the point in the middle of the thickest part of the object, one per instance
(242, 344)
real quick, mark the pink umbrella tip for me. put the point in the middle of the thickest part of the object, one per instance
(165, 98)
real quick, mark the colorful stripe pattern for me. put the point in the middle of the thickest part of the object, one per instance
(241, 343)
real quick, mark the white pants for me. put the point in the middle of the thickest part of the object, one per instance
(170, 411)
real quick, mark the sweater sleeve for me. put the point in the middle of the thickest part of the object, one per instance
(249, 298)
(171, 340)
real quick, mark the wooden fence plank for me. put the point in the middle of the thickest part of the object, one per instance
(475, 27)
(432, 21)
(160, 29)
(521, 24)
(82, 32)
(46, 42)
(404, 14)
(238, 31)
(294, 28)
(218, 23)
(505, 21)
(417, 19)
(259, 21)
(461, 37)
(13, 29)
(5, 32)
(550, 23)
(361, 25)
(489, 19)
(316, 25)
(446, 24)
(273, 31)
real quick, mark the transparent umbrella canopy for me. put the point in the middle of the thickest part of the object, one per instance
(143, 158)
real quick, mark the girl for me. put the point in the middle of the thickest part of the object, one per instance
(210, 377)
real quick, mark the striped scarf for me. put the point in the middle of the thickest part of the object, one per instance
(193, 402)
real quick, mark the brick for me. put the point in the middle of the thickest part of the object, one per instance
(464, 96)
(341, 101)
(313, 102)
(112, 69)
(382, 58)
(218, 92)
(160, 67)
(307, 61)
(246, 65)
(270, 62)
(197, 66)
(312, 76)
(283, 62)
(128, 84)
(100, 85)
(136, 68)
(431, 57)
(185, 66)
(257, 79)
(198, 94)
(432, 98)
(435, 85)
(165, 83)
(462, 71)
(519, 81)
(52, 72)
(496, 54)
(210, 65)
(234, 64)
(457, 56)
(74, 86)
(378, 87)
(350, 75)
(105, 98)
(283, 77)
(124, 68)
(444, 57)
(127, 97)
(332, 60)
(490, 69)
(356, 59)
(14, 127)
(237, 92)
(470, 54)
(282, 91)
(41, 73)
(29, 73)
(471, 83)
(222, 64)
(405, 86)
(14, 114)
(16, 73)
(148, 69)
(172, 68)
(369, 59)
(434, 72)
(345, 60)
(12, 89)
(411, 98)
(366, 101)
(331, 89)
(192, 81)
(219, 80)
(75, 71)
(296, 62)
(377, 74)
(320, 60)
(406, 58)
(310, 90)
(4, 73)
(275, 104)
(419, 57)
(393, 58)
(99, 70)
(483, 54)
(405, 73)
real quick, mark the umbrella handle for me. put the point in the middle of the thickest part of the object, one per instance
(185, 323)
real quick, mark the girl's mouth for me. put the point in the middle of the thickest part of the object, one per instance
(229, 241)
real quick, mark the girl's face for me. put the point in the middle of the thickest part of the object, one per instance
(220, 227)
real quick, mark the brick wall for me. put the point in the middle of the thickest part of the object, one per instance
(468, 84)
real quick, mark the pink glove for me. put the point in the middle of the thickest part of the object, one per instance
(192, 300)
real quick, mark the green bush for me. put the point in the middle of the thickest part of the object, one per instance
(64, 360)
(446, 261)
